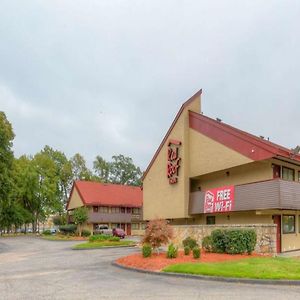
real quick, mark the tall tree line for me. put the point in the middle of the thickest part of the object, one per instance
(34, 187)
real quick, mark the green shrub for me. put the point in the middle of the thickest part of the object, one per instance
(47, 232)
(147, 250)
(85, 233)
(187, 250)
(251, 238)
(100, 237)
(233, 241)
(196, 252)
(114, 239)
(240, 241)
(190, 242)
(218, 241)
(172, 251)
(68, 229)
(207, 243)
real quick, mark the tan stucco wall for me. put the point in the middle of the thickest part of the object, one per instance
(252, 172)
(207, 155)
(248, 217)
(75, 200)
(161, 199)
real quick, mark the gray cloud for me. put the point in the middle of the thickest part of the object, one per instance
(107, 77)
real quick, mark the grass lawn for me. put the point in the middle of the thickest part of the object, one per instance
(102, 244)
(256, 268)
(61, 238)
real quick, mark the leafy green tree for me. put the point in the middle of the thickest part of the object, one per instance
(6, 161)
(79, 169)
(80, 216)
(63, 172)
(121, 170)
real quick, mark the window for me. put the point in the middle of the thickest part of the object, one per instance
(115, 210)
(136, 211)
(103, 209)
(128, 210)
(114, 225)
(95, 208)
(298, 175)
(210, 220)
(135, 226)
(143, 226)
(288, 174)
(123, 210)
(288, 224)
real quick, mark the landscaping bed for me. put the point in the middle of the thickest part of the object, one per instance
(157, 262)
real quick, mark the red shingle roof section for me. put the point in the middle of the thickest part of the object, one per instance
(245, 143)
(105, 194)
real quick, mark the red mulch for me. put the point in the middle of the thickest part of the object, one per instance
(158, 262)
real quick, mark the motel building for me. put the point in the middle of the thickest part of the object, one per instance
(111, 205)
(206, 174)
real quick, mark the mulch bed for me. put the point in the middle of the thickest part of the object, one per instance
(157, 262)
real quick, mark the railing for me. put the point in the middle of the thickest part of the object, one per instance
(271, 194)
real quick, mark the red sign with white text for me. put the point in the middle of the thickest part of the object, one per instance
(219, 200)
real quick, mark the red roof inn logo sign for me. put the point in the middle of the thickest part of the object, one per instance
(173, 163)
(219, 200)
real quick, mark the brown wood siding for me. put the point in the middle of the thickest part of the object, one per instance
(272, 194)
(95, 217)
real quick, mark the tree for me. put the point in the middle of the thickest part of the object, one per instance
(158, 233)
(121, 170)
(63, 172)
(80, 216)
(6, 161)
(79, 169)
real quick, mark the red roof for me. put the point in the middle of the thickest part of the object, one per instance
(245, 143)
(106, 194)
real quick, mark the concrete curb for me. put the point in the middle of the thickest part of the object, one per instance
(212, 278)
(107, 247)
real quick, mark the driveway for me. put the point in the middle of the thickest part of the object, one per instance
(32, 268)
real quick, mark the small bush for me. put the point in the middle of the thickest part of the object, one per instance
(85, 233)
(47, 232)
(207, 243)
(190, 242)
(172, 251)
(100, 237)
(196, 252)
(187, 250)
(114, 239)
(68, 229)
(218, 241)
(147, 250)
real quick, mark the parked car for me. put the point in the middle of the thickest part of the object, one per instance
(102, 229)
(119, 233)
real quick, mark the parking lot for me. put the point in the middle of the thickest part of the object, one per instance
(32, 268)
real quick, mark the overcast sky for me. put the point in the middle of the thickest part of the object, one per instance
(108, 77)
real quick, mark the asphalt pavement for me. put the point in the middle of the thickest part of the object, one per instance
(32, 268)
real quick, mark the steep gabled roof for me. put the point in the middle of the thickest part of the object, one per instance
(105, 194)
(184, 105)
(245, 143)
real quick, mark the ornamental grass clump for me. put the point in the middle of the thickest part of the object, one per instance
(187, 250)
(147, 250)
(158, 233)
(172, 251)
(196, 252)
